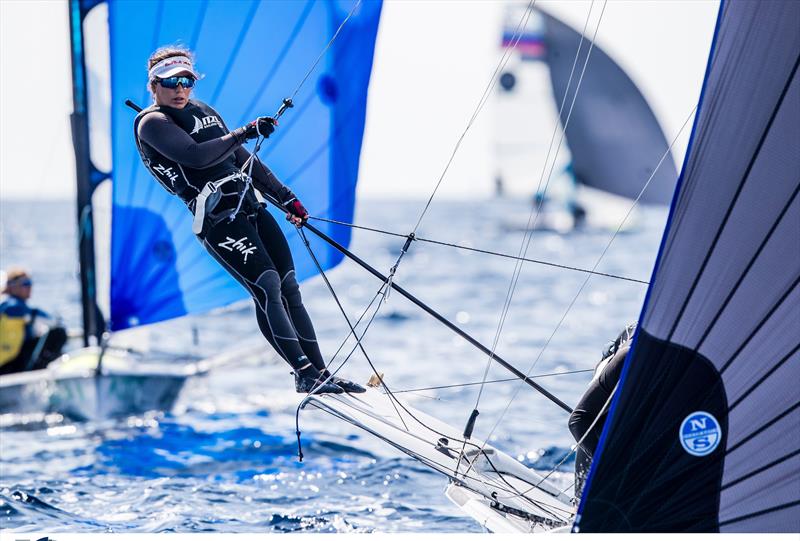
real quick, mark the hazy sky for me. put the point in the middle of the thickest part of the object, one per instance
(432, 62)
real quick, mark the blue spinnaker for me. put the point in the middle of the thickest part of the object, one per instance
(252, 54)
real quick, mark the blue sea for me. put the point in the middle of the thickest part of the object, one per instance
(225, 459)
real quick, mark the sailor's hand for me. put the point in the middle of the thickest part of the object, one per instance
(263, 126)
(296, 212)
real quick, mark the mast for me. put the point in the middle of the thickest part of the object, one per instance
(84, 172)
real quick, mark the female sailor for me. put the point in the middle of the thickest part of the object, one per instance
(189, 150)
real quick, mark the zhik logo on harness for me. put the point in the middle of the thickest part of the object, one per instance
(239, 246)
(206, 122)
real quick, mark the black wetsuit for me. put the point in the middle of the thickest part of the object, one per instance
(590, 406)
(186, 148)
(594, 403)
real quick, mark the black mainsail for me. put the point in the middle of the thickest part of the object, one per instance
(704, 434)
(614, 137)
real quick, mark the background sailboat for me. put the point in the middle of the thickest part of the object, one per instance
(614, 135)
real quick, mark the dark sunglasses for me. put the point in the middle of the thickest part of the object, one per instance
(23, 283)
(173, 82)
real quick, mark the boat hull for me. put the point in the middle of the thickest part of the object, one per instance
(24, 393)
(487, 484)
(90, 398)
(89, 384)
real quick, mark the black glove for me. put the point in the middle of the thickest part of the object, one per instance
(294, 208)
(263, 126)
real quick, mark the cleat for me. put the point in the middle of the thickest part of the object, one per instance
(306, 384)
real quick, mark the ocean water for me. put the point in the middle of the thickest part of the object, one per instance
(225, 459)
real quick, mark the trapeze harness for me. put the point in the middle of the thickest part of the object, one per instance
(191, 153)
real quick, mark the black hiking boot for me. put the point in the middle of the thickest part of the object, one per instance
(306, 384)
(347, 385)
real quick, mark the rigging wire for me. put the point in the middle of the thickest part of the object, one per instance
(325, 50)
(484, 98)
(503, 380)
(530, 225)
(358, 345)
(289, 102)
(482, 251)
(469, 427)
(393, 400)
(482, 102)
(600, 258)
(578, 443)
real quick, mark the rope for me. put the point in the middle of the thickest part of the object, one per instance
(482, 251)
(529, 229)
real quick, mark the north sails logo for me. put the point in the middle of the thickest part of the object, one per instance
(205, 122)
(238, 245)
(700, 433)
(167, 172)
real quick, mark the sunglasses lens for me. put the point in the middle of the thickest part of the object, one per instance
(173, 82)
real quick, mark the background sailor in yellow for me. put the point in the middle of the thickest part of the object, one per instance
(23, 346)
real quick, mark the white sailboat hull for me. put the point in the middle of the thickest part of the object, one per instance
(72, 386)
(90, 398)
(26, 392)
(487, 484)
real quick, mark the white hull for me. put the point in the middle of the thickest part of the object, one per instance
(90, 398)
(73, 387)
(26, 392)
(502, 494)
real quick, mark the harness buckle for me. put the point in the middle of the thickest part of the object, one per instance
(204, 203)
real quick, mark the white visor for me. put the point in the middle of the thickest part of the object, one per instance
(172, 66)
